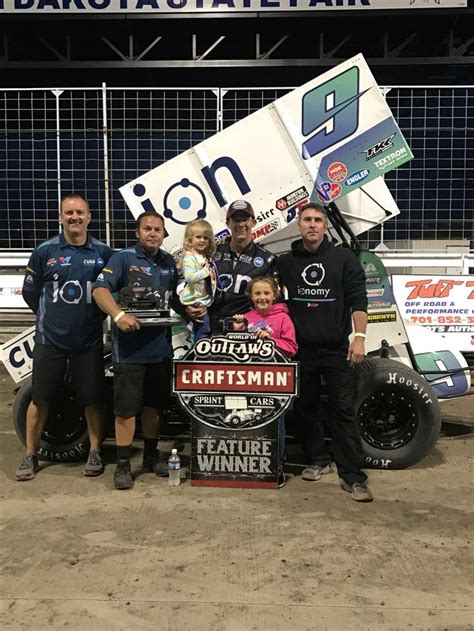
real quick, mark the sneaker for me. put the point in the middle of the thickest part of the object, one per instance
(281, 479)
(152, 464)
(315, 472)
(123, 475)
(359, 491)
(27, 469)
(94, 465)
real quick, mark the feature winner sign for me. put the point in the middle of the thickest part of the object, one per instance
(235, 387)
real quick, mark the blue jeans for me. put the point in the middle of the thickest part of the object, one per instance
(201, 329)
(281, 442)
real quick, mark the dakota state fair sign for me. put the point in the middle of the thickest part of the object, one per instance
(235, 388)
(324, 141)
(212, 6)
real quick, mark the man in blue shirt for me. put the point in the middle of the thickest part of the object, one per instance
(58, 288)
(141, 355)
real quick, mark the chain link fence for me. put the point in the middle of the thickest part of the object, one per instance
(92, 141)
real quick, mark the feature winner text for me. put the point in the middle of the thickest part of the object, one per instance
(228, 455)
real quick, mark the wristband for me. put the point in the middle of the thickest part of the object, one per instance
(119, 315)
(360, 335)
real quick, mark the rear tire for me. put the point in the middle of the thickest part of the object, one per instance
(65, 436)
(398, 414)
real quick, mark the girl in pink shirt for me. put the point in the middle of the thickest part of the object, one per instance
(269, 319)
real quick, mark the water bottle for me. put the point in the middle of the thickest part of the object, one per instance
(174, 468)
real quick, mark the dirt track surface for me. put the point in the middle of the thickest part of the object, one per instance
(79, 555)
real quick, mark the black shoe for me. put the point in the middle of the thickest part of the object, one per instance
(123, 475)
(281, 479)
(153, 464)
(149, 462)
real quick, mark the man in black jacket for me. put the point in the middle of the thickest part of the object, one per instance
(238, 260)
(326, 288)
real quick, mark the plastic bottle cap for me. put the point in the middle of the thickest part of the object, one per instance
(174, 451)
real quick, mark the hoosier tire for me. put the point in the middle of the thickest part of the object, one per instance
(65, 436)
(398, 413)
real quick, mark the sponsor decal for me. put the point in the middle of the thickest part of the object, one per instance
(221, 235)
(292, 198)
(100, 276)
(380, 304)
(292, 212)
(373, 280)
(29, 269)
(389, 160)
(29, 279)
(375, 292)
(337, 171)
(109, 271)
(65, 261)
(379, 147)
(387, 316)
(51, 262)
(182, 202)
(100, 261)
(263, 231)
(357, 177)
(146, 270)
(264, 215)
(328, 191)
(258, 261)
(245, 258)
(89, 261)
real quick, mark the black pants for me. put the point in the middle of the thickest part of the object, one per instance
(346, 441)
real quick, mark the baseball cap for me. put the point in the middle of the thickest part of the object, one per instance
(239, 206)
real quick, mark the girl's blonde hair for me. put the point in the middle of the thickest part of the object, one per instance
(263, 279)
(205, 226)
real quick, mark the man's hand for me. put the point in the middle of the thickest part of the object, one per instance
(356, 352)
(195, 312)
(239, 324)
(128, 323)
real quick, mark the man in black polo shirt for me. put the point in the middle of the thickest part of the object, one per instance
(57, 287)
(141, 355)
